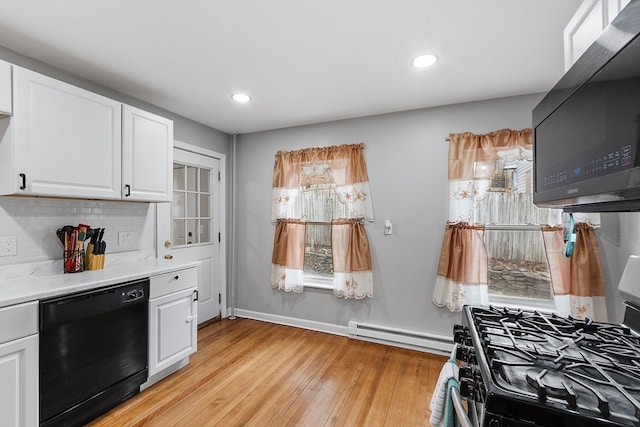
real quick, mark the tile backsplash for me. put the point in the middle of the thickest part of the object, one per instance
(34, 221)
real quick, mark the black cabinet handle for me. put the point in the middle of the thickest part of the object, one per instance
(195, 295)
(24, 181)
(176, 278)
(128, 190)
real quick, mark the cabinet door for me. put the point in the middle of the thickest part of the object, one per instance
(172, 328)
(19, 382)
(586, 25)
(67, 141)
(5, 88)
(147, 144)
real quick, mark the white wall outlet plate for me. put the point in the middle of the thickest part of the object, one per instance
(8, 246)
(125, 238)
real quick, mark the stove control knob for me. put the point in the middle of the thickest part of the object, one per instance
(465, 372)
(470, 372)
(467, 388)
(467, 354)
(461, 334)
(462, 353)
(472, 359)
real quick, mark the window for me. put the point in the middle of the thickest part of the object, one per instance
(493, 225)
(317, 192)
(190, 207)
(517, 262)
(320, 201)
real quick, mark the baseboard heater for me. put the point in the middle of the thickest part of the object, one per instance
(401, 338)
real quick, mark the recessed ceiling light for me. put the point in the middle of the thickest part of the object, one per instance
(424, 61)
(240, 97)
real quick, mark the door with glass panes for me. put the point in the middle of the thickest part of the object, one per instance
(189, 229)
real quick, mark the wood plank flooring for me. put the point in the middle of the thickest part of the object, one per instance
(252, 373)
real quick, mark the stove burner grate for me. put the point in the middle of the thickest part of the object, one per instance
(589, 369)
(552, 384)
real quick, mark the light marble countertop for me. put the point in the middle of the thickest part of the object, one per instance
(30, 282)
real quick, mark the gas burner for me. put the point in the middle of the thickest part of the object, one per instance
(551, 384)
(540, 366)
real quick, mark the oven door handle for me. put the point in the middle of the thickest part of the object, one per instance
(460, 412)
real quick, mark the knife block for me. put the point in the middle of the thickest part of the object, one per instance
(93, 261)
(73, 261)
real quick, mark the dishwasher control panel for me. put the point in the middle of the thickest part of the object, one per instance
(133, 295)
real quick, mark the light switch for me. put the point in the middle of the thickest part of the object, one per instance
(388, 228)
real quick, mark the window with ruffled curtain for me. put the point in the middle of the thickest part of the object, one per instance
(497, 242)
(321, 198)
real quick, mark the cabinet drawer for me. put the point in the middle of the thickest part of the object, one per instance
(23, 319)
(178, 280)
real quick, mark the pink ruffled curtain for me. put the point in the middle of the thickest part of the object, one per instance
(577, 280)
(462, 270)
(341, 173)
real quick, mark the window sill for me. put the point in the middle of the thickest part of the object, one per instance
(318, 282)
(547, 306)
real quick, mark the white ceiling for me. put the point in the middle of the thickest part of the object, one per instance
(302, 61)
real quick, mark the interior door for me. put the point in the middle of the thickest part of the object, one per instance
(189, 227)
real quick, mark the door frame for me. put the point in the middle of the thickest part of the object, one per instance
(222, 226)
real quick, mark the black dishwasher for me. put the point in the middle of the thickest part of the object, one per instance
(93, 351)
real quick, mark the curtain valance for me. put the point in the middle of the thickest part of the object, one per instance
(339, 168)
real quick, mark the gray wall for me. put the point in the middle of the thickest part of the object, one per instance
(406, 156)
(618, 238)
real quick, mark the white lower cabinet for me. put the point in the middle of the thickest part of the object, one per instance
(173, 318)
(19, 365)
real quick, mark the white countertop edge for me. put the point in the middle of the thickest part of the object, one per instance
(37, 287)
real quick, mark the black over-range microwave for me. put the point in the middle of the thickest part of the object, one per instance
(587, 128)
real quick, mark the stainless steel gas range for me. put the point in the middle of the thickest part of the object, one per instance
(528, 368)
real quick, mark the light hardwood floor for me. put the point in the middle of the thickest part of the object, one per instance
(252, 373)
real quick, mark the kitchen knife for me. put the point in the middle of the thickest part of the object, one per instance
(96, 245)
(103, 248)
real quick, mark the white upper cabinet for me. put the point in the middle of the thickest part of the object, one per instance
(147, 156)
(5, 89)
(62, 141)
(586, 25)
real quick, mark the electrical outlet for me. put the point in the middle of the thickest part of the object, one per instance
(125, 238)
(8, 246)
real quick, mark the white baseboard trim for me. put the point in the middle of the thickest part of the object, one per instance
(292, 321)
(389, 339)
